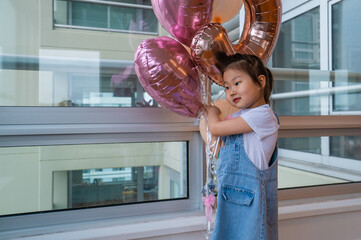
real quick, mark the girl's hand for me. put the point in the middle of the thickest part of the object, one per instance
(219, 127)
(213, 110)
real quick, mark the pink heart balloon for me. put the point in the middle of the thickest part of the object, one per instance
(183, 18)
(168, 74)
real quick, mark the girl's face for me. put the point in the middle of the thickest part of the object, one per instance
(241, 91)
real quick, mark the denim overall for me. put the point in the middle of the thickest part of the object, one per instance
(247, 196)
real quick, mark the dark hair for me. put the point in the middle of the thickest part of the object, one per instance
(251, 64)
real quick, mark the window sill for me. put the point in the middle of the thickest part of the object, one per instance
(299, 208)
(187, 222)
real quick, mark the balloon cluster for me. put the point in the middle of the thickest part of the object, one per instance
(168, 68)
(172, 71)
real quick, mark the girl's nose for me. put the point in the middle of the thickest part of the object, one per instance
(231, 91)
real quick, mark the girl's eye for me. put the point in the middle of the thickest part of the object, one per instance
(237, 83)
(226, 88)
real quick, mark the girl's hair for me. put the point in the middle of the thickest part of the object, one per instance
(250, 64)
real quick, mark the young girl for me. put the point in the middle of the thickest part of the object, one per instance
(247, 165)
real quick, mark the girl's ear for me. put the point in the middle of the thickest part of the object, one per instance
(262, 80)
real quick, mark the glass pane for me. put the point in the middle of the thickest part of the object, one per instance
(77, 176)
(346, 147)
(309, 92)
(294, 95)
(298, 44)
(94, 187)
(347, 101)
(346, 53)
(88, 83)
(141, 2)
(311, 144)
(88, 15)
(107, 16)
(302, 164)
(132, 19)
(62, 72)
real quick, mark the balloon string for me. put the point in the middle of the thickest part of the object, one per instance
(217, 141)
(224, 91)
(211, 150)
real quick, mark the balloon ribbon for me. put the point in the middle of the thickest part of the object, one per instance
(208, 202)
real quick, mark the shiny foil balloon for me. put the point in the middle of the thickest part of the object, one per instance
(168, 74)
(210, 39)
(259, 36)
(183, 18)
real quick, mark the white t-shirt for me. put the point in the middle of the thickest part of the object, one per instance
(261, 142)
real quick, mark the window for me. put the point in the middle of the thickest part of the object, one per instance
(116, 15)
(122, 174)
(71, 78)
(317, 146)
(311, 164)
(314, 152)
(68, 73)
(80, 139)
(346, 50)
(302, 90)
(298, 44)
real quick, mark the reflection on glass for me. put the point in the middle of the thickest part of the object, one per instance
(309, 92)
(233, 27)
(346, 147)
(285, 100)
(94, 187)
(123, 16)
(346, 53)
(310, 144)
(346, 34)
(64, 73)
(303, 164)
(77, 176)
(298, 44)
(70, 79)
(349, 101)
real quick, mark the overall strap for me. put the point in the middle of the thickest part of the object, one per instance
(276, 114)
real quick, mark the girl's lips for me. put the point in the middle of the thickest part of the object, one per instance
(236, 100)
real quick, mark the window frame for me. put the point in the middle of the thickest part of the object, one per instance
(318, 126)
(346, 124)
(36, 126)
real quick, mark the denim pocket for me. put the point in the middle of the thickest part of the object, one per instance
(237, 195)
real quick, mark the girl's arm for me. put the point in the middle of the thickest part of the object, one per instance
(220, 128)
